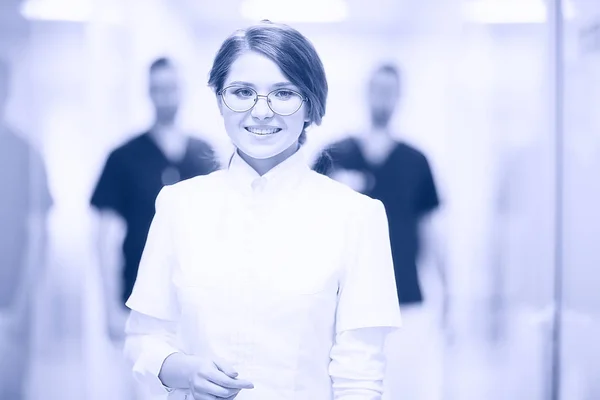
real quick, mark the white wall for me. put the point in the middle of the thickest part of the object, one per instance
(475, 100)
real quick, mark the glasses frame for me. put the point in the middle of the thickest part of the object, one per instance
(265, 96)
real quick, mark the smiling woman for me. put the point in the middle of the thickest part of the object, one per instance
(225, 305)
(276, 64)
(266, 127)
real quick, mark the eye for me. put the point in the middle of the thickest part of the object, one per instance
(243, 92)
(284, 94)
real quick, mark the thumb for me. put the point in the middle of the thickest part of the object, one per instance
(225, 367)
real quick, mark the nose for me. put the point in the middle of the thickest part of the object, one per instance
(261, 109)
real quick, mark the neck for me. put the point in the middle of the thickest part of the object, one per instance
(379, 126)
(378, 132)
(262, 166)
(163, 125)
(160, 131)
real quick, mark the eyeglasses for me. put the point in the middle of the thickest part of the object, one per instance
(283, 102)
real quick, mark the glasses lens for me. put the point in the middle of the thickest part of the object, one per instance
(285, 102)
(239, 98)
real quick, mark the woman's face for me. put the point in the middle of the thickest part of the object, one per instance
(260, 133)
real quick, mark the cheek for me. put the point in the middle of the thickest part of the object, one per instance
(296, 121)
(232, 120)
(379, 104)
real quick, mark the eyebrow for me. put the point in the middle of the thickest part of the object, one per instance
(275, 85)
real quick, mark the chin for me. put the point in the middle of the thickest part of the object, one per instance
(262, 151)
(262, 155)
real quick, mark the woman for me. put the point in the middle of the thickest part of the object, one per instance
(265, 280)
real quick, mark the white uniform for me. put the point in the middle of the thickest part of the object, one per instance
(288, 277)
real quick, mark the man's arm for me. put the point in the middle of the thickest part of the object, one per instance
(432, 232)
(110, 234)
(433, 246)
(35, 263)
(109, 200)
(35, 266)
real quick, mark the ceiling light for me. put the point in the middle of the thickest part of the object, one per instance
(57, 10)
(295, 10)
(510, 11)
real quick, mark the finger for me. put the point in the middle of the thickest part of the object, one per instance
(225, 367)
(203, 396)
(229, 383)
(214, 390)
(219, 378)
(230, 397)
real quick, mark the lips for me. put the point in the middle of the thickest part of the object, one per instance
(262, 131)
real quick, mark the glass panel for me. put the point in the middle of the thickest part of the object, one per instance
(580, 355)
(501, 225)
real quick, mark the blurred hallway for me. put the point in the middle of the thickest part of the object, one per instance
(478, 99)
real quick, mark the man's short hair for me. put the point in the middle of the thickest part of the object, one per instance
(162, 62)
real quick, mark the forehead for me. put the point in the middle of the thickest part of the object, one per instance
(163, 75)
(256, 69)
(384, 79)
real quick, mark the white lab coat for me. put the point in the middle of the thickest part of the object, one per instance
(288, 277)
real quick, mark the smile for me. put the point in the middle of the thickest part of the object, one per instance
(263, 131)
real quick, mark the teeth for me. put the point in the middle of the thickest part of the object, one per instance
(263, 131)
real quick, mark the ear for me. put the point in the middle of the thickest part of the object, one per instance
(219, 104)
